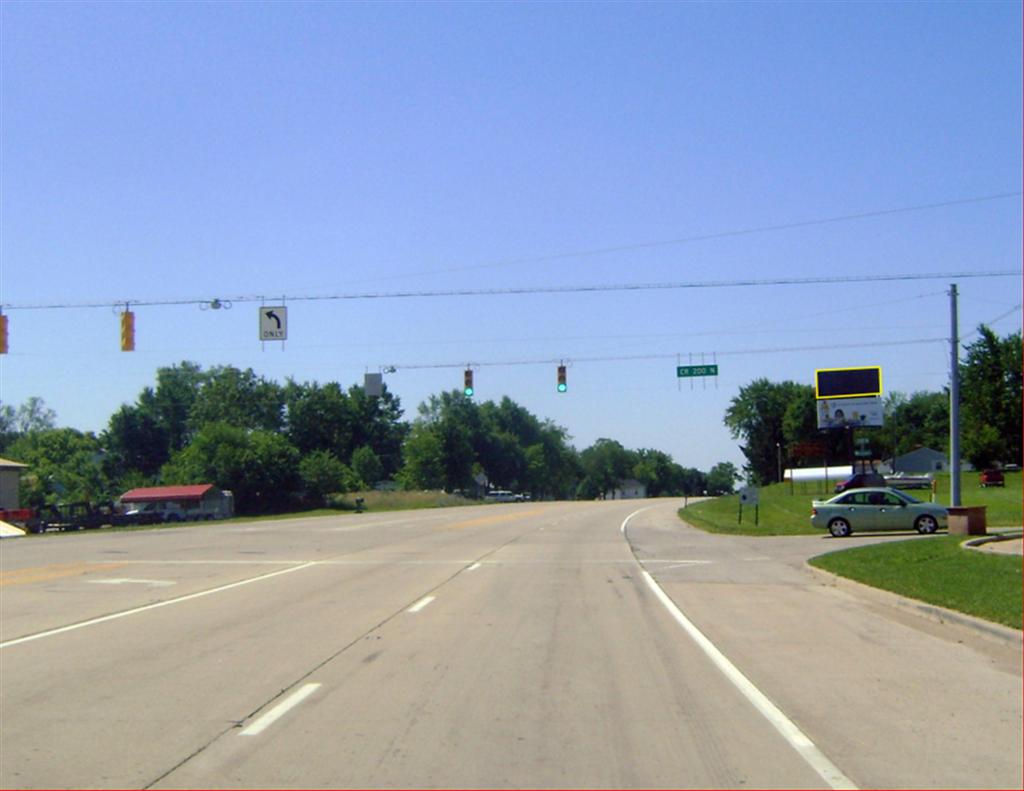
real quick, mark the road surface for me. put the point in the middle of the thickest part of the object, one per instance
(595, 645)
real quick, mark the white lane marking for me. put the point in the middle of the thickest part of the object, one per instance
(421, 604)
(262, 723)
(168, 603)
(799, 741)
(474, 567)
(687, 563)
(129, 581)
(622, 527)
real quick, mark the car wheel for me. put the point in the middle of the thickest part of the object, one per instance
(839, 528)
(926, 524)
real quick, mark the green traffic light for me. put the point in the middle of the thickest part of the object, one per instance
(468, 391)
(562, 387)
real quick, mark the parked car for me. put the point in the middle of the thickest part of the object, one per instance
(876, 509)
(861, 480)
(992, 478)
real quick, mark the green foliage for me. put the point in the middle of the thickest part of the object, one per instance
(722, 478)
(990, 397)
(64, 466)
(760, 415)
(323, 474)
(33, 415)
(238, 398)
(605, 464)
(366, 467)
(918, 421)
(260, 467)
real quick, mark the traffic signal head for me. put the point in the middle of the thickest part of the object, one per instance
(467, 382)
(562, 386)
(3, 334)
(127, 331)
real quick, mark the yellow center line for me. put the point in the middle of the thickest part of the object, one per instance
(494, 520)
(52, 572)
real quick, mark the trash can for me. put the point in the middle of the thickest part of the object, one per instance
(967, 520)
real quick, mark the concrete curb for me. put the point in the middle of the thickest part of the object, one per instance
(976, 543)
(933, 612)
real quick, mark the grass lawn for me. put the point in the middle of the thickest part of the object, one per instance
(786, 510)
(939, 571)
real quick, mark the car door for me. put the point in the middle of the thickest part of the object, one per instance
(859, 511)
(892, 513)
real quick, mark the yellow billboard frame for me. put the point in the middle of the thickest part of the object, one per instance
(817, 382)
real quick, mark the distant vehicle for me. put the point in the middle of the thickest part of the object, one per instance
(992, 478)
(902, 481)
(861, 480)
(876, 509)
(500, 496)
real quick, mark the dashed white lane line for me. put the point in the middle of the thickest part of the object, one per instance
(147, 607)
(474, 567)
(421, 604)
(260, 724)
(130, 581)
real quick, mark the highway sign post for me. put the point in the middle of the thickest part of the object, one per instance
(750, 495)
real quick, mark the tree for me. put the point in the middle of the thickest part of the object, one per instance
(322, 475)
(64, 465)
(722, 478)
(758, 416)
(424, 463)
(366, 467)
(920, 420)
(259, 467)
(990, 397)
(136, 440)
(605, 464)
(238, 398)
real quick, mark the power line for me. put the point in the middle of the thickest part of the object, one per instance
(710, 236)
(665, 356)
(528, 290)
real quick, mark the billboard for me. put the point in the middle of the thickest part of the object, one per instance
(850, 412)
(848, 382)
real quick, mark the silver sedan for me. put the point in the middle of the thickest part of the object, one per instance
(876, 509)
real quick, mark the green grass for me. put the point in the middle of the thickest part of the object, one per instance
(786, 510)
(937, 570)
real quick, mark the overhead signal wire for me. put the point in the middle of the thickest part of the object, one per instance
(529, 290)
(709, 236)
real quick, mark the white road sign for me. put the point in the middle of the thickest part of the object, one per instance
(750, 495)
(273, 323)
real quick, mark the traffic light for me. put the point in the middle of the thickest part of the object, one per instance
(562, 386)
(3, 334)
(127, 331)
(467, 382)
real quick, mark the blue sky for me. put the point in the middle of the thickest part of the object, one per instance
(154, 152)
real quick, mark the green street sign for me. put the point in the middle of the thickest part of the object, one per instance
(696, 370)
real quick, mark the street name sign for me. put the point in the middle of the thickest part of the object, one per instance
(696, 370)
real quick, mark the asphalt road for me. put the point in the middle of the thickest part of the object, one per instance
(601, 645)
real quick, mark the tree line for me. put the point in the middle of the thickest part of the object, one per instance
(777, 421)
(282, 446)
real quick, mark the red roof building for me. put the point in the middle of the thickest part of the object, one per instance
(153, 494)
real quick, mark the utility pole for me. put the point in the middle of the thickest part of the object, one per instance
(954, 401)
